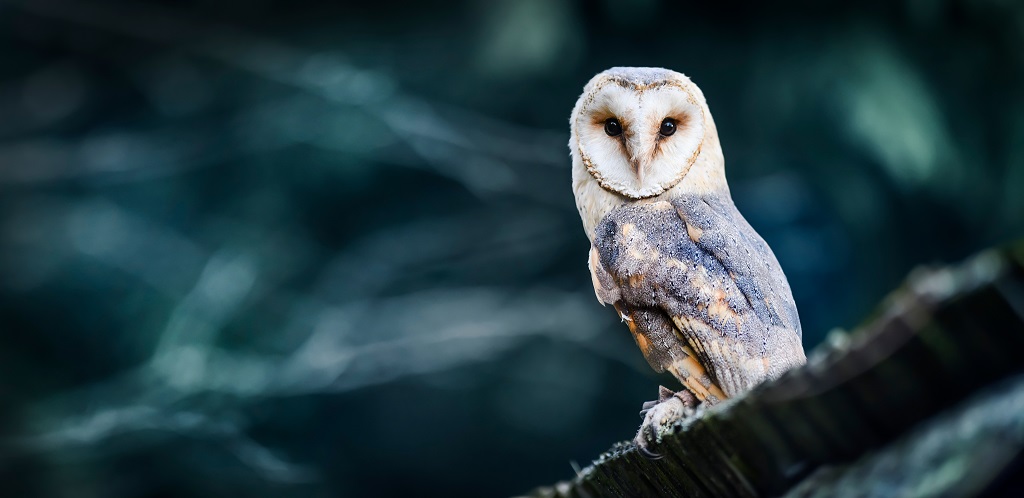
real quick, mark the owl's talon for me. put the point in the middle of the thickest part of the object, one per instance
(664, 393)
(646, 407)
(648, 454)
(644, 440)
(659, 418)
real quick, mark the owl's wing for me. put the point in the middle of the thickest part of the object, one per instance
(698, 286)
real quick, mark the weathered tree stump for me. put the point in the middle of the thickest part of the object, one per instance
(946, 335)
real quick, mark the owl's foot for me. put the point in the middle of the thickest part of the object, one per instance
(659, 416)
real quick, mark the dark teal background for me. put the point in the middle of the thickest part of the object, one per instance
(271, 248)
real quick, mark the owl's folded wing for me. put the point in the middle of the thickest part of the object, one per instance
(696, 264)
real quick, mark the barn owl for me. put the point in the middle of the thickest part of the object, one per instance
(699, 289)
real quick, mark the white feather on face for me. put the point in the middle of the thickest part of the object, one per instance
(641, 163)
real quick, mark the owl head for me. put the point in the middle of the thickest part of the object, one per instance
(638, 132)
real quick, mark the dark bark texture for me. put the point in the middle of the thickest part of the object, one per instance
(924, 399)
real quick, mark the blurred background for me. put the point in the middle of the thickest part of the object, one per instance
(269, 248)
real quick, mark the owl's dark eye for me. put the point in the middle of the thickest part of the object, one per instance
(612, 127)
(668, 127)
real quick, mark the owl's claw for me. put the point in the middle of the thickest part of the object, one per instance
(665, 393)
(646, 407)
(659, 416)
(648, 454)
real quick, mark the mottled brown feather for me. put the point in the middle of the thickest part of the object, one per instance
(701, 291)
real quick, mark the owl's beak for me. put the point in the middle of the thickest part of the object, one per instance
(638, 170)
(639, 153)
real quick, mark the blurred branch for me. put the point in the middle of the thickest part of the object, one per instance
(483, 154)
(345, 333)
(329, 360)
(109, 425)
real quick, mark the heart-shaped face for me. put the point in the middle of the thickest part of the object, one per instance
(638, 130)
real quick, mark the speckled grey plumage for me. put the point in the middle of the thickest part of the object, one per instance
(696, 264)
